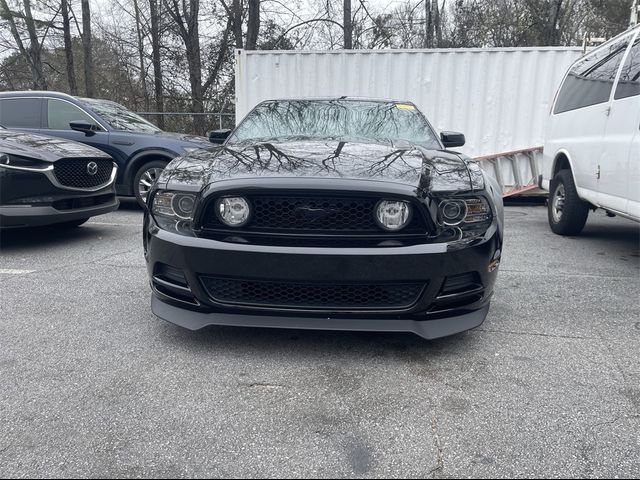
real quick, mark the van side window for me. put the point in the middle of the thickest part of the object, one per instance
(61, 113)
(590, 80)
(629, 83)
(20, 112)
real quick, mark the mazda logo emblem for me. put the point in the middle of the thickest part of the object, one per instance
(92, 168)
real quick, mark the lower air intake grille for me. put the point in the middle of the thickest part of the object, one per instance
(308, 296)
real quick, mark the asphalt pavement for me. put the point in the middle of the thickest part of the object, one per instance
(92, 384)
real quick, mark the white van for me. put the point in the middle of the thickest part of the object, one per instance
(592, 145)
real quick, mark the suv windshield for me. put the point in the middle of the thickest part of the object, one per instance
(359, 119)
(119, 117)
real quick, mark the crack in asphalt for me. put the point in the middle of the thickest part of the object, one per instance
(565, 274)
(439, 468)
(534, 334)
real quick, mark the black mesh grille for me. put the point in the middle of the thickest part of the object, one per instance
(313, 296)
(314, 214)
(74, 172)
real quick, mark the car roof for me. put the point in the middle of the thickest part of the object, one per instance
(344, 97)
(37, 94)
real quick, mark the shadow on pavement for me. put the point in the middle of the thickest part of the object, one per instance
(24, 239)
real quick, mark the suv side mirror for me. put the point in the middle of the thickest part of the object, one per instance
(452, 139)
(219, 136)
(85, 127)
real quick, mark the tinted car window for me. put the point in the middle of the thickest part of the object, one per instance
(119, 117)
(61, 113)
(629, 83)
(336, 119)
(20, 112)
(591, 79)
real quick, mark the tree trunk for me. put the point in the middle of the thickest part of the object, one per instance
(34, 48)
(253, 24)
(8, 15)
(428, 35)
(553, 38)
(87, 49)
(236, 11)
(68, 48)
(143, 70)
(157, 65)
(438, 24)
(348, 26)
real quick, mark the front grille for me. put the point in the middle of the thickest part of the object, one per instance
(301, 214)
(73, 172)
(309, 296)
(83, 202)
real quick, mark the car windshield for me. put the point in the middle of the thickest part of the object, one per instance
(118, 117)
(354, 119)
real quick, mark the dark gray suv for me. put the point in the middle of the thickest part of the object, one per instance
(140, 149)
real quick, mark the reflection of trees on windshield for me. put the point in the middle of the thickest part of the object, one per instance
(351, 119)
(119, 118)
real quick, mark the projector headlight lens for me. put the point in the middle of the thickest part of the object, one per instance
(174, 205)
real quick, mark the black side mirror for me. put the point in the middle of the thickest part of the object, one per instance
(219, 136)
(452, 139)
(85, 127)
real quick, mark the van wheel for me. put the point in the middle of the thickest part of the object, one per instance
(145, 177)
(567, 212)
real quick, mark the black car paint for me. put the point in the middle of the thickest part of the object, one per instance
(130, 150)
(27, 197)
(396, 170)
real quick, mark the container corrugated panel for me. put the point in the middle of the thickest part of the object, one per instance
(499, 98)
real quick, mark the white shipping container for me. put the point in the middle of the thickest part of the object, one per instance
(499, 98)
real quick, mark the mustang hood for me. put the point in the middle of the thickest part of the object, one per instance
(430, 170)
(48, 149)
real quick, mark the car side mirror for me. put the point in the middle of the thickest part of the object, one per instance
(219, 136)
(85, 127)
(452, 139)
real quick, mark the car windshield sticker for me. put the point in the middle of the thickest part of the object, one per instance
(405, 106)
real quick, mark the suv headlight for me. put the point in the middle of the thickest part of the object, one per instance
(16, 162)
(174, 210)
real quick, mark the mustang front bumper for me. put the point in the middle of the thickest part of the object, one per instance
(457, 284)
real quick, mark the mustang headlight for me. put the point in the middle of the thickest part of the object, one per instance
(393, 215)
(173, 211)
(233, 211)
(470, 214)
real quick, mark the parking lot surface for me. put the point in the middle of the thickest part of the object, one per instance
(92, 384)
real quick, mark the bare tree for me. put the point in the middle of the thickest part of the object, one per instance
(87, 48)
(32, 52)
(156, 60)
(347, 25)
(140, 37)
(68, 48)
(253, 24)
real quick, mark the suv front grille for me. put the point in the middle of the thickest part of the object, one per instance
(310, 296)
(314, 214)
(74, 172)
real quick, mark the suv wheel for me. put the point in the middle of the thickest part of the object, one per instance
(145, 177)
(567, 212)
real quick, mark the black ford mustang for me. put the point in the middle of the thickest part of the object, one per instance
(342, 214)
(46, 180)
